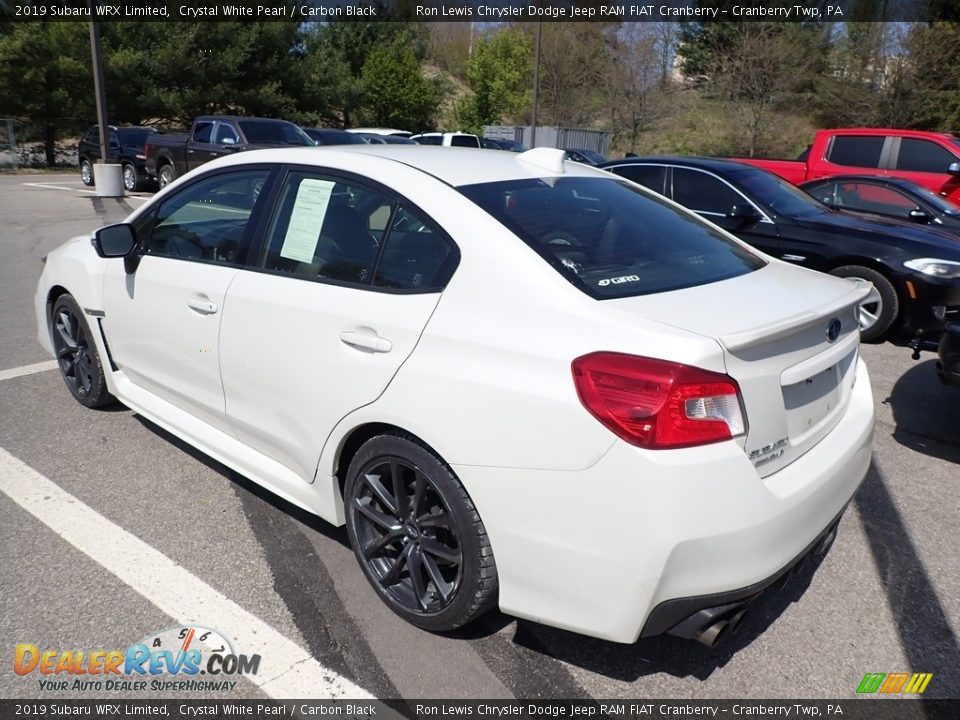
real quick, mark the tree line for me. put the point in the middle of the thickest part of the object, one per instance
(749, 88)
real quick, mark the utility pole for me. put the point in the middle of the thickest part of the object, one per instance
(99, 85)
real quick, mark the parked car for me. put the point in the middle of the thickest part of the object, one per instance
(378, 139)
(331, 136)
(510, 145)
(447, 139)
(170, 155)
(126, 148)
(887, 196)
(915, 269)
(581, 155)
(386, 132)
(633, 412)
(930, 159)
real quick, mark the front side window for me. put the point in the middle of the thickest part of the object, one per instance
(856, 150)
(225, 131)
(205, 221)
(704, 193)
(611, 239)
(923, 156)
(867, 197)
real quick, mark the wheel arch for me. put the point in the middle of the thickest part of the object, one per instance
(354, 439)
(871, 264)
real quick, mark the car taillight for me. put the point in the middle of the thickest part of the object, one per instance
(656, 403)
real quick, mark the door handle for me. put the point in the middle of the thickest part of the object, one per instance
(202, 304)
(366, 341)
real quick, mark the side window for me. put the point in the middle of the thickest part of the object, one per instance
(856, 150)
(827, 193)
(650, 176)
(92, 136)
(201, 133)
(430, 140)
(225, 131)
(414, 257)
(923, 156)
(326, 228)
(876, 199)
(704, 193)
(207, 220)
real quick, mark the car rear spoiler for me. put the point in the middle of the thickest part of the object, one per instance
(789, 325)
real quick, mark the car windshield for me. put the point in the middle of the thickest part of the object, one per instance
(937, 200)
(611, 239)
(779, 196)
(265, 132)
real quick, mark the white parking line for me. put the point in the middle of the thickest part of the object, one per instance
(57, 187)
(27, 370)
(286, 669)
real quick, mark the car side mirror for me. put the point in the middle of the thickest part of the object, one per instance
(114, 241)
(744, 213)
(918, 215)
(954, 168)
(228, 142)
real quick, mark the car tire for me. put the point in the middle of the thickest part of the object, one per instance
(77, 355)
(428, 557)
(131, 181)
(879, 314)
(165, 175)
(86, 173)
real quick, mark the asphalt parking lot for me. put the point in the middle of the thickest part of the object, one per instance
(112, 530)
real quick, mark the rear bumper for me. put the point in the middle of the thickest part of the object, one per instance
(596, 551)
(948, 365)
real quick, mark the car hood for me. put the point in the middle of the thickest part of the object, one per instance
(922, 239)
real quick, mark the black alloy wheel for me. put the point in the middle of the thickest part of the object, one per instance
(77, 354)
(417, 536)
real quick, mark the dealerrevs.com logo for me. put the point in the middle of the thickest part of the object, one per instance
(169, 660)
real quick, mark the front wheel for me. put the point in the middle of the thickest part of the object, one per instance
(165, 175)
(417, 536)
(77, 355)
(880, 309)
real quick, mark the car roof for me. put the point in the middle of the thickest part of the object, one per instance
(451, 165)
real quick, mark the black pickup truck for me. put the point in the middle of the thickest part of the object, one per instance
(170, 155)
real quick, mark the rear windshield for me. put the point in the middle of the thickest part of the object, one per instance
(611, 239)
(465, 141)
(260, 132)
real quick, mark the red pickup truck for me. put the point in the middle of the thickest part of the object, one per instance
(930, 159)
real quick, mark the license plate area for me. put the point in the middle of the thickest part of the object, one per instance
(811, 402)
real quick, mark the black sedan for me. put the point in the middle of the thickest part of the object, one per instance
(888, 196)
(915, 269)
(332, 136)
(125, 147)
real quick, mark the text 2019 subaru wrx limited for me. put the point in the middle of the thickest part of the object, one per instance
(519, 381)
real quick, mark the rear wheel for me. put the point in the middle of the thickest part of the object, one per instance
(417, 536)
(878, 312)
(86, 172)
(77, 354)
(165, 175)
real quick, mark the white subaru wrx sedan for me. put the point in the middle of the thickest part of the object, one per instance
(519, 381)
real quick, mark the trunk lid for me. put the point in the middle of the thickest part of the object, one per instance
(790, 339)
